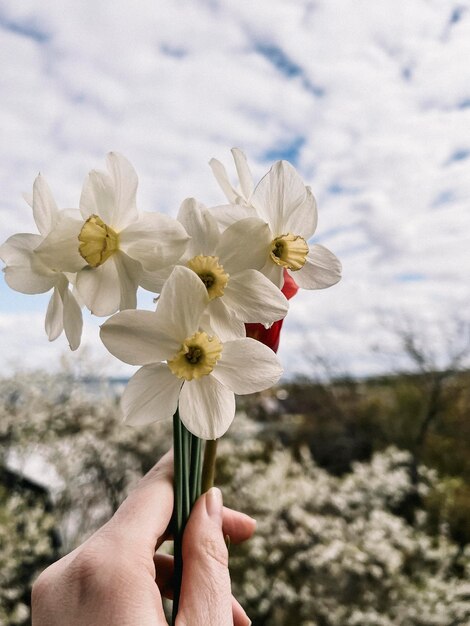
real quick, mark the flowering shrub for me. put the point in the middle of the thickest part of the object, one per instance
(332, 551)
(26, 547)
(328, 551)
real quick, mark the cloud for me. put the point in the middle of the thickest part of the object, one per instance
(369, 100)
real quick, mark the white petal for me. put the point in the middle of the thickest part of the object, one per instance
(227, 214)
(24, 280)
(206, 407)
(303, 220)
(244, 175)
(222, 178)
(24, 272)
(279, 194)
(154, 281)
(253, 298)
(97, 197)
(155, 240)
(73, 320)
(247, 366)
(59, 250)
(223, 323)
(28, 198)
(45, 209)
(125, 183)
(322, 269)
(129, 272)
(54, 316)
(17, 249)
(151, 395)
(100, 288)
(135, 337)
(244, 245)
(181, 303)
(273, 272)
(201, 225)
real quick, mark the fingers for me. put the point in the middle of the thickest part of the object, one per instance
(240, 618)
(235, 525)
(143, 517)
(164, 569)
(206, 598)
(164, 579)
(238, 526)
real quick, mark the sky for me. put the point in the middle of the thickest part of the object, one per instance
(369, 100)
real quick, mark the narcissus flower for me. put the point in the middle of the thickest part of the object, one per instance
(109, 243)
(27, 273)
(226, 263)
(184, 362)
(283, 202)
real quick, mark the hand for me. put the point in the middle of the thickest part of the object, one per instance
(116, 577)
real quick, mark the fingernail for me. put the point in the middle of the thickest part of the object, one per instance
(214, 502)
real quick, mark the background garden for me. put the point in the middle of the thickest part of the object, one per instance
(361, 487)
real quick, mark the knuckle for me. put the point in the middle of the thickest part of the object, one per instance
(88, 564)
(96, 569)
(41, 587)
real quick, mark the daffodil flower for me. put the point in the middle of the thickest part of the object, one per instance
(283, 202)
(184, 362)
(227, 265)
(27, 273)
(109, 243)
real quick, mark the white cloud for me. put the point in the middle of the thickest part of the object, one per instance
(374, 97)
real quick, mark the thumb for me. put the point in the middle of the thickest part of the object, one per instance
(205, 598)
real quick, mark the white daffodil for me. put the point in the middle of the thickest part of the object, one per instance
(227, 264)
(109, 243)
(283, 202)
(183, 362)
(27, 273)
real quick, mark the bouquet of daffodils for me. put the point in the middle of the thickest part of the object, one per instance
(223, 274)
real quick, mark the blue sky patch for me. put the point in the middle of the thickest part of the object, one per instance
(26, 28)
(459, 155)
(286, 66)
(337, 189)
(288, 152)
(410, 277)
(444, 197)
(456, 15)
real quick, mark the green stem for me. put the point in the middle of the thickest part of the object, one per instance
(195, 473)
(178, 511)
(187, 451)
(208, 468)
(186, 473)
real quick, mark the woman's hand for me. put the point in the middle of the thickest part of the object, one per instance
(116, 577)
